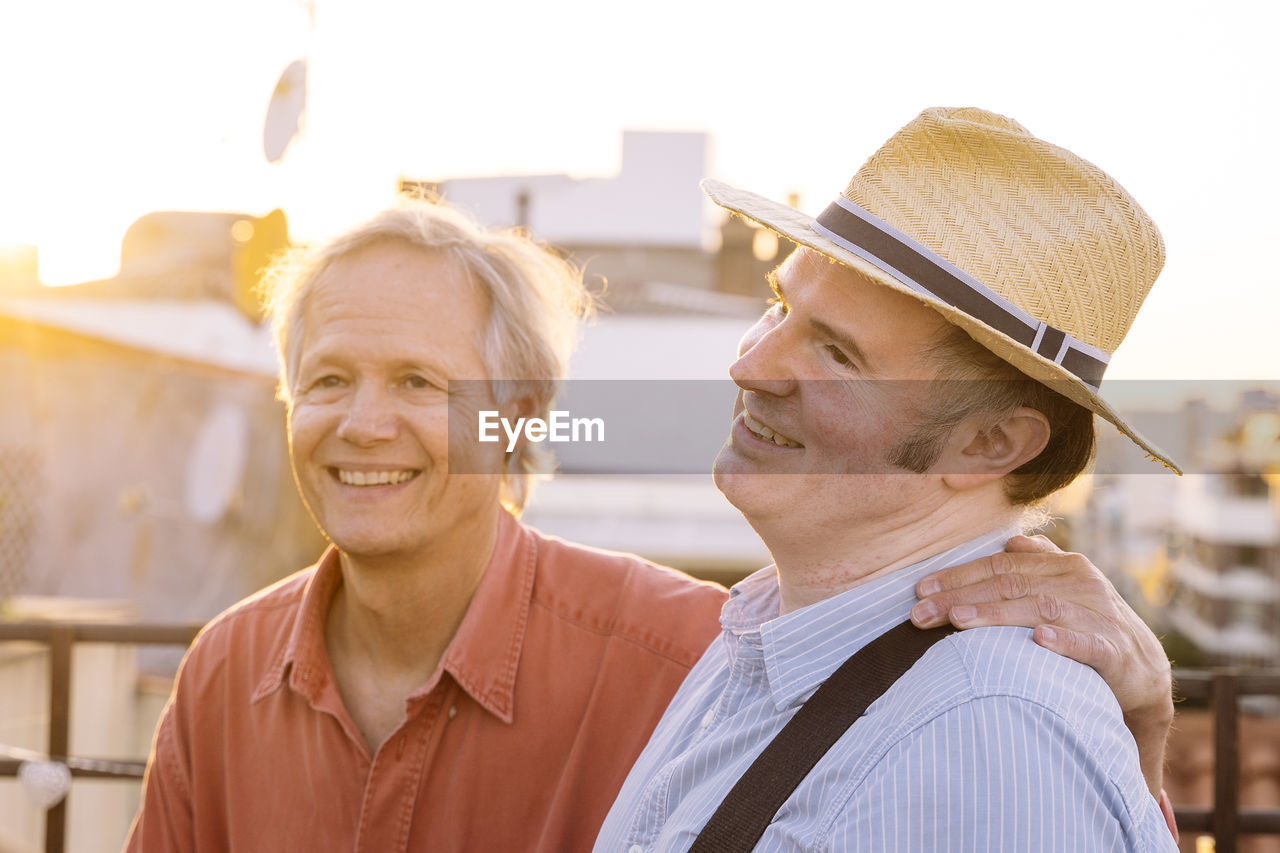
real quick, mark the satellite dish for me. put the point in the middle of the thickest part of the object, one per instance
(285, 112)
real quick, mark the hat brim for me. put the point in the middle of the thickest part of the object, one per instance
(797, 227)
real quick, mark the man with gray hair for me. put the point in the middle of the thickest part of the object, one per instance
(445, 678)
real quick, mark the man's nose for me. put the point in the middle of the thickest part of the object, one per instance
(370, 418)
(764, 360)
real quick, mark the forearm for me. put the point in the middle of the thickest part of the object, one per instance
(1150, 728)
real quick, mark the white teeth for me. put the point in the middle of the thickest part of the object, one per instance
(373, 478)
(757, 427)
(766, 433)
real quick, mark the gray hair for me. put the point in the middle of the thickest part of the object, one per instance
(535, 297)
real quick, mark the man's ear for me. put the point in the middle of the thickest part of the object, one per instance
(985, 450)
(524, 406)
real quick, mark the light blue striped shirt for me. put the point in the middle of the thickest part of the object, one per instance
(988, 743)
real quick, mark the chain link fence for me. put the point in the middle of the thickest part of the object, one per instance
(19, 516)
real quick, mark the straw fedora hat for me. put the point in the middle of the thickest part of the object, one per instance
(1036, 253)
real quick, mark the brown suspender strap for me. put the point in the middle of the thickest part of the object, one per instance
(750, 806)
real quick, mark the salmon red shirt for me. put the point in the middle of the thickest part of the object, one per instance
(564, 662)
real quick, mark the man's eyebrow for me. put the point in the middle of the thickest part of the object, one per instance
(846, 343)
(772, 278)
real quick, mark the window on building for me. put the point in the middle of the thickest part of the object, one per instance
(1246, 486)
(1248, 556)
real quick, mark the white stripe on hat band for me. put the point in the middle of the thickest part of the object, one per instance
(1062, 350)
(1035, 345)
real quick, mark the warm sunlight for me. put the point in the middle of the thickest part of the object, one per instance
(156, 154)
(148, 105)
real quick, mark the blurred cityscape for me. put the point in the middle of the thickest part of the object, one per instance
(144, 473)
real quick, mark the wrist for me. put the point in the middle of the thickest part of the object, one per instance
(1153, 719)
(1150, 728)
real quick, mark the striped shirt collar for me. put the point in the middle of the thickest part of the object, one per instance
(805, 646)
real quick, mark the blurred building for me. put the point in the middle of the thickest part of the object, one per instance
(142, 451)
(1199, 555)
(646, 237)
(1200, 552)
(1227, 575)
(144, 475)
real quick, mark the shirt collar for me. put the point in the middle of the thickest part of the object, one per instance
(485, 652)
(482, 657)
(802, 648)
(303, 659)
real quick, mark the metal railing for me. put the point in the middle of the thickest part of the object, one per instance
(1225, 820)
(61, 638)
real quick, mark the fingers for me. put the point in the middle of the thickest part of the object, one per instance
(1023, 554)
(1086, 642)
(1083, 647)
(1166, 809)
(1028, 611)
(965, 574)
(934, 609)
(1089, 592)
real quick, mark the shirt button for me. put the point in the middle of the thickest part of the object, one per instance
(709, 717)
(453, 711)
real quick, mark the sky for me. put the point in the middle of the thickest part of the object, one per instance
(112, 110)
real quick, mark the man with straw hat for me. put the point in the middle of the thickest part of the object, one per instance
(929, 370)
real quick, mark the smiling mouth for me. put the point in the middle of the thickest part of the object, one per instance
(764, 432)
(389, 477)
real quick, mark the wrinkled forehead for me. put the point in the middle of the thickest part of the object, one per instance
(389, 283)
(809, 264)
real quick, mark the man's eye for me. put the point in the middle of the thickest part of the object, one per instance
(329, 381)
(416, 382)
(838, 356)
